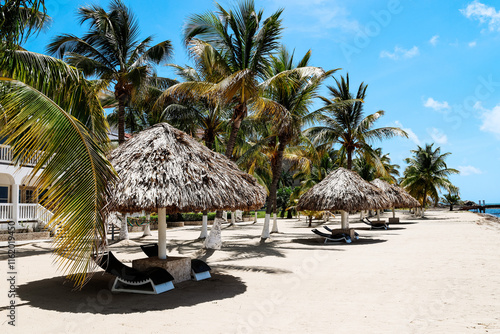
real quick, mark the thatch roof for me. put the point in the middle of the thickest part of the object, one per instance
(408, 200)
(163, 167)
(397, 199)
(343, 190)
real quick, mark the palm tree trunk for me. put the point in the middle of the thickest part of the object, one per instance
(349, 159)
(121, 118)
(424, 201)
(271, 200)
(239, 113)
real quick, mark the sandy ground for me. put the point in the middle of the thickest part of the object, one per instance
(440, 274)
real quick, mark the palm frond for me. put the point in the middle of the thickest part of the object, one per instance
(71, 167)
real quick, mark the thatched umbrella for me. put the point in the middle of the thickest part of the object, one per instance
(165, 169)
(396, 198)
(408, 200)
(346, 191)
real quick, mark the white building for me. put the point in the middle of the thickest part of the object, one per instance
(18, 198)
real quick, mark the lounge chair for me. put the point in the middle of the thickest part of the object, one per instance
(339, 237)
(150, 250)
(151, 281)
(199, 269)
(375, 225)
(356, 235)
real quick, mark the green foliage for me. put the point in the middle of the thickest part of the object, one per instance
(426, 173)
(283, 199)
(20, 19)
(451, 199)
(343, 122)
(111, 51)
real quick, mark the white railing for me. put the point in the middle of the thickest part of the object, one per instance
(43, 215)
(27, 212)
(6, 211)
(6, 156)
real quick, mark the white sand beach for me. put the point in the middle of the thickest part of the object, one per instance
(440, 274)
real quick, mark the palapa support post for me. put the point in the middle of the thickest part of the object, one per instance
(344, 219)
(162, 233)
(204, 227)
(255, 220)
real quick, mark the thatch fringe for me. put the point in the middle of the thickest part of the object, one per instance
(163, 167)
(343, 190)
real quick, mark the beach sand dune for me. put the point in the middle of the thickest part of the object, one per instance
(440, 274)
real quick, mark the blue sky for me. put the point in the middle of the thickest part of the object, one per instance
(432, 66)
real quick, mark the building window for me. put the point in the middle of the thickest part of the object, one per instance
(4, 194)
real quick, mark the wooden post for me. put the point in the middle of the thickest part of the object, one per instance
(162, 233)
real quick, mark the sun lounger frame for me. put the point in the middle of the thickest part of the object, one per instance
(356, 235)
(375, 225)
(152, 281)
(333, 238)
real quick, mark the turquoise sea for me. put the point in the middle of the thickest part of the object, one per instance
(494, 212)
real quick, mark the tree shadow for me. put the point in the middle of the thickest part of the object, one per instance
(96, 297)
(26, 252)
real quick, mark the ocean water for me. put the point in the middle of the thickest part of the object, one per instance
(494, 212)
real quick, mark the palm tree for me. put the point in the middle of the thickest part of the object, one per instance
(111, 51)
(451, 199)
(426, 173)
(20, 19)
(241, 42)
(53, 113)
(343, 122)
(295, 93)
(376, 165)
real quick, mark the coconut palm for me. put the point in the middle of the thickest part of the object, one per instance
(343, 121)
(111, 51)
(427, 173)
(376, 165)
(451, 199)
(53, 113)
(241, 41)
(295, 93)
(20, 19)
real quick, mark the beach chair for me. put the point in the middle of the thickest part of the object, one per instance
(199, 269)
(151, 281)
(150, 250)
(339, 237)
(375, 225)
(356, 235)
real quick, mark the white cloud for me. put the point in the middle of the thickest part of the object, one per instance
(491, 119)
(469, 170)
(472, 44)
(434, 40)
(483, 13)
(413, 137)
(400, 52)
(436, 105)
(438, 136)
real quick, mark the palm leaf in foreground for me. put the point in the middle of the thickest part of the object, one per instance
(71, 166)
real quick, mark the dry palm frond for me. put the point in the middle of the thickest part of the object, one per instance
(343, 190)
(163, 167)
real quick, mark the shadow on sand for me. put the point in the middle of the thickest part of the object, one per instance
(320, 241)
(96, 297)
